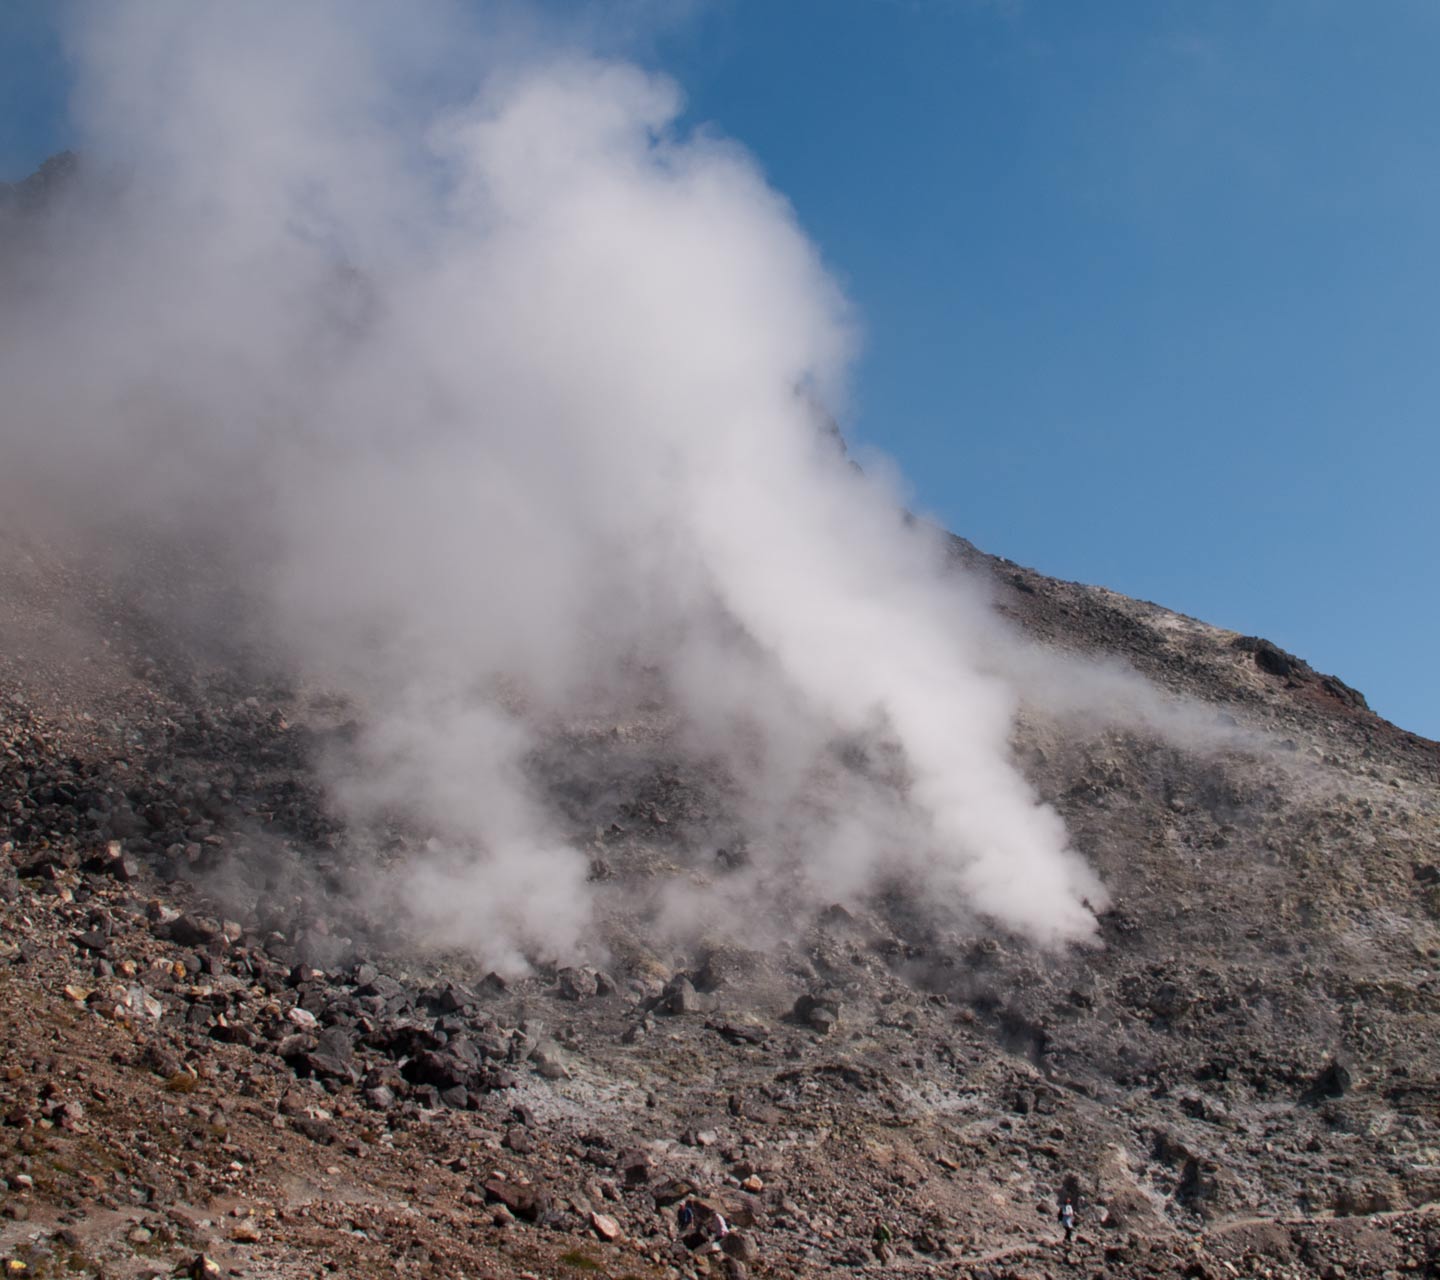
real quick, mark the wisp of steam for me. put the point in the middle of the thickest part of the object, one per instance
(500, 385)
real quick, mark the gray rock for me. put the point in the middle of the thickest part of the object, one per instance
(819, 1011)
(333, 1056)
(381, 1097)
(576, 984)
(681, 997)
(549, 1061)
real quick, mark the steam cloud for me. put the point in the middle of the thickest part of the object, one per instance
(503, 395)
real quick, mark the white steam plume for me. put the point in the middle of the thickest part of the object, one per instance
(501, 398)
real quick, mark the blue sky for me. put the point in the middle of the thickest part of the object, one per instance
(1148, 289)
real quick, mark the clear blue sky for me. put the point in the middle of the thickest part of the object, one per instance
(1150, 288)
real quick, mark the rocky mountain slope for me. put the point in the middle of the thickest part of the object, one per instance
(219, 1058)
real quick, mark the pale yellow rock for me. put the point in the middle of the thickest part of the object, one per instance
(605, 1226)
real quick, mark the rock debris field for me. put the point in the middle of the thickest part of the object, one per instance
(218, 1058)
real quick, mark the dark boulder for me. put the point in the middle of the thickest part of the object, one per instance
(333, 1056)
(1333, 1080)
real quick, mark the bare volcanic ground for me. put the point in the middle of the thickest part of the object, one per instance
(220, 1059)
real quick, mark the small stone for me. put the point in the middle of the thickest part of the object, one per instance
(455, 999)
(820, 1011)
(739, 1246)
(605, 1226)
(322, 1132)
(526, 1201)
(194, 931)
(672, 1191)
(549, 1062)
(381, 1097)
(296, 1046)
(113, 861)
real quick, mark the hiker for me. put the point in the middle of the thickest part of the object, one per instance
(685, 1218)
(880, 1243)
(1067, 1220)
